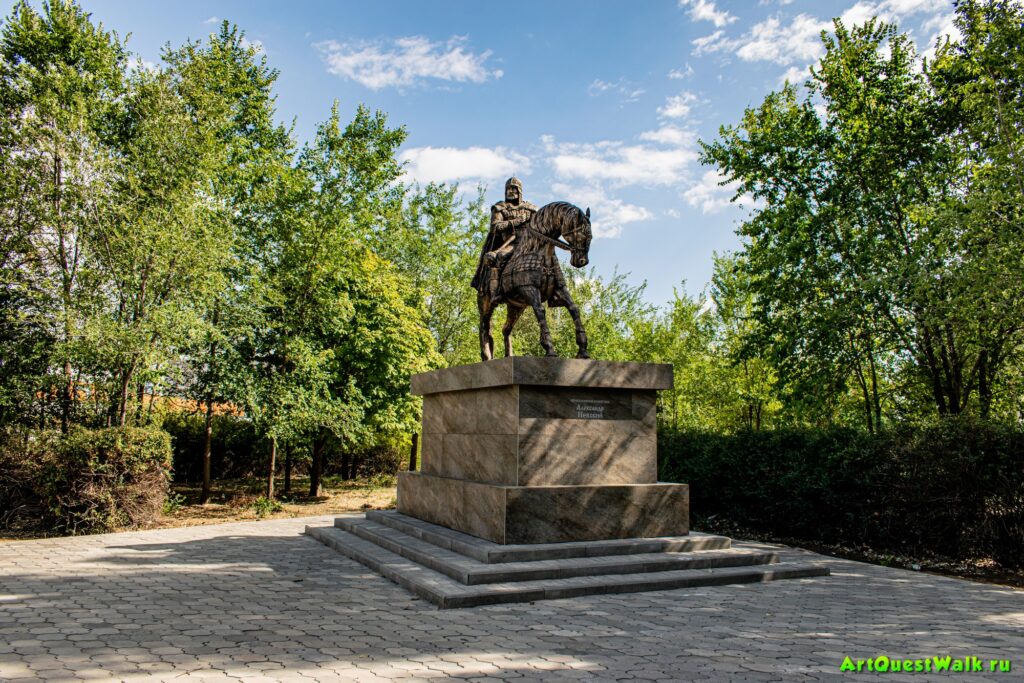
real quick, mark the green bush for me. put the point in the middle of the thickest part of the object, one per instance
(86, 481)
(264, 506)
(236, 450)
(103, 479)
(22, 457)
(373, 462)
(953, 489)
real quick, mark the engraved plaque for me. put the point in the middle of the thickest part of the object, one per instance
(575, 404)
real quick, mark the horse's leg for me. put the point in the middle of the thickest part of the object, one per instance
(574, 311)
(486, 309)
(512, 315)
(533, 296)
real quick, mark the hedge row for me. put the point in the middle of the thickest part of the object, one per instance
(86, 481)
(954, 489)
(237, 451)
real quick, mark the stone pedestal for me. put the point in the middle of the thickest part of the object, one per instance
(543, 450)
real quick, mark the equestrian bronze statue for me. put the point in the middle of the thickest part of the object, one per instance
(518, 266)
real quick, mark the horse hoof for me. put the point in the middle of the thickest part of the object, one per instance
(583, 355)
(551, 354)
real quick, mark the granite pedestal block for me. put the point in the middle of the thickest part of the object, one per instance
(546, 514)
(539, 481)
(542, 450)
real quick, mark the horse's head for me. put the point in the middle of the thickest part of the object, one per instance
(578, 237)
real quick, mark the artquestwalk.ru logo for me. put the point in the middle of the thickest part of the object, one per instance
(935, 664)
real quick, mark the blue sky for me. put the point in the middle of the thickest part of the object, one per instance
(597, 103)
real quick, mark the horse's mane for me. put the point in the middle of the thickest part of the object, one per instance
(555, 213)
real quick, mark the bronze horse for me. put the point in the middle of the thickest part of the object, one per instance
(532, 276)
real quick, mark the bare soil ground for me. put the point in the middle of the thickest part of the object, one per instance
(234, 501)
(242, 500)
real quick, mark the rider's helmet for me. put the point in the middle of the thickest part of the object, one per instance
(516, 183)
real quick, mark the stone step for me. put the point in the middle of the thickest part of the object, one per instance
(469, 571)
(488, 552)
(447, 593)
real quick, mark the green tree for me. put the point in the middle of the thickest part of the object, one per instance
(435, 243)
(342, 330)
(979, 83)
(857, 260)
(750, 377)
(164, 247)
(61, 79)
(226, 83)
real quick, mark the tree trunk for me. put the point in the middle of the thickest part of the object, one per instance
(42, 409)
(67, 395)
(932, 364)
(209, 411)
(67, 398)
(287, 469)
(315, 468)
(140, 395)
(204, 497)
(865, 393)
(273, 466)
(874, 391)
(984, 385)
(346, 458)
(122, 400)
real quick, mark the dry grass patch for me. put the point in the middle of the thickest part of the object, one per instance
(243, 500)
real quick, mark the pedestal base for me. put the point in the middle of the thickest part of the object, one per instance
(546, 514)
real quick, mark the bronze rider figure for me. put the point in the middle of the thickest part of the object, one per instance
(506, 216)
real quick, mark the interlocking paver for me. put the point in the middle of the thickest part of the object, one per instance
(260, 602)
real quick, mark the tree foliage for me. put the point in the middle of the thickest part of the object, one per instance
(875, 261)
(163, 237)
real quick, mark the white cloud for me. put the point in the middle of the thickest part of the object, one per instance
(453, 164)
(711, 195)
(212, 20)
(608, 215)
(705, 10)
(681, 74)
(860, 12)
(943, 27)
(798, 39)
(670, 135)
(907, 7)
(796, 75)
(257, 44)
(770, 41)
(940, 22)
(941, 12)
(136, 62)
(710, 43)
(628, 91)
(408, 61)
(618, 163)
(678, 106)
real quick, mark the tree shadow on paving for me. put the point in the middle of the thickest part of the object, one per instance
(232, 602)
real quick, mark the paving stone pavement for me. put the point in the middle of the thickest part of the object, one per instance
(257, 601)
